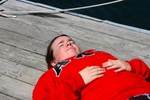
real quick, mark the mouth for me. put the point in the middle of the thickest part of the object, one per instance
(70, 49)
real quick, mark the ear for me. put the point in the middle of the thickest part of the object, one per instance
(53, 62)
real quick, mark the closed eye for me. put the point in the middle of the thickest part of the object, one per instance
(60, 45)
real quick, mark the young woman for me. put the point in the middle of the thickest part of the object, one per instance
(97, 75)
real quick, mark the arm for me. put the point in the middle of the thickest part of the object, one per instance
(139, 67)
(114, 63)
(136, 66)
(50, 88)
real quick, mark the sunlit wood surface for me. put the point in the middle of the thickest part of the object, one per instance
(24, 40)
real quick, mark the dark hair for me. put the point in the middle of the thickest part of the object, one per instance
(49, 55)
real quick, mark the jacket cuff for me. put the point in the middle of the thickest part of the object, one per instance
(78, 81)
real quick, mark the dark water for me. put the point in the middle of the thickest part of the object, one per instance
(134, 13)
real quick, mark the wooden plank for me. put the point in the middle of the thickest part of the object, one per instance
(79, 23)
(105, 41)
(23, 42)
(27, 27)
(15, 88)
(73, 24)
(47, 26)
(76, 25)
(95, 29)
(23, 57)
(19, 72)
(6, 97)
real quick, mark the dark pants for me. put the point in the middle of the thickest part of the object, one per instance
(141, 97)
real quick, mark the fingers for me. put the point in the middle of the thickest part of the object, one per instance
(95, 71)
(107, 64)
(119, 65)
(118, 70)
(113, 67)
(91, 73)
(110, 64)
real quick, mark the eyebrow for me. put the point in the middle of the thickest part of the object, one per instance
(63, 41)
(60, 42)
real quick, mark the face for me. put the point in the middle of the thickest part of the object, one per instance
(64, 47)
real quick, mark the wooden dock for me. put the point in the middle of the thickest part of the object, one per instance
(24, 40)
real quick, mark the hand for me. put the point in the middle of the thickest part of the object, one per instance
(91, 73)
(119, 65)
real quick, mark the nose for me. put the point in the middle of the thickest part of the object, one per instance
(69, 44)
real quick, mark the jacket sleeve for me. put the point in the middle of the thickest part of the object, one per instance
(50, 88)
(139, 67)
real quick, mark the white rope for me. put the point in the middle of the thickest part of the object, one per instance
(7, 15)
(59, 11)
(3, 1)
(97, 5)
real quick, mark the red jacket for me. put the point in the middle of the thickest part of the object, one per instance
(63, 82)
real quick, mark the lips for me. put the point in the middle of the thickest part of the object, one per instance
(70, 49)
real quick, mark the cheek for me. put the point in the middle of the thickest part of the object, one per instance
(59, 54)
(78, 49)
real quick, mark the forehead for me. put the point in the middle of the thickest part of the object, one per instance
(60, 39)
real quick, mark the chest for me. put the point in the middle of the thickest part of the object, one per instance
(79, 62)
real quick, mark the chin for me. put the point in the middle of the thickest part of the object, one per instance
(71, 55)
